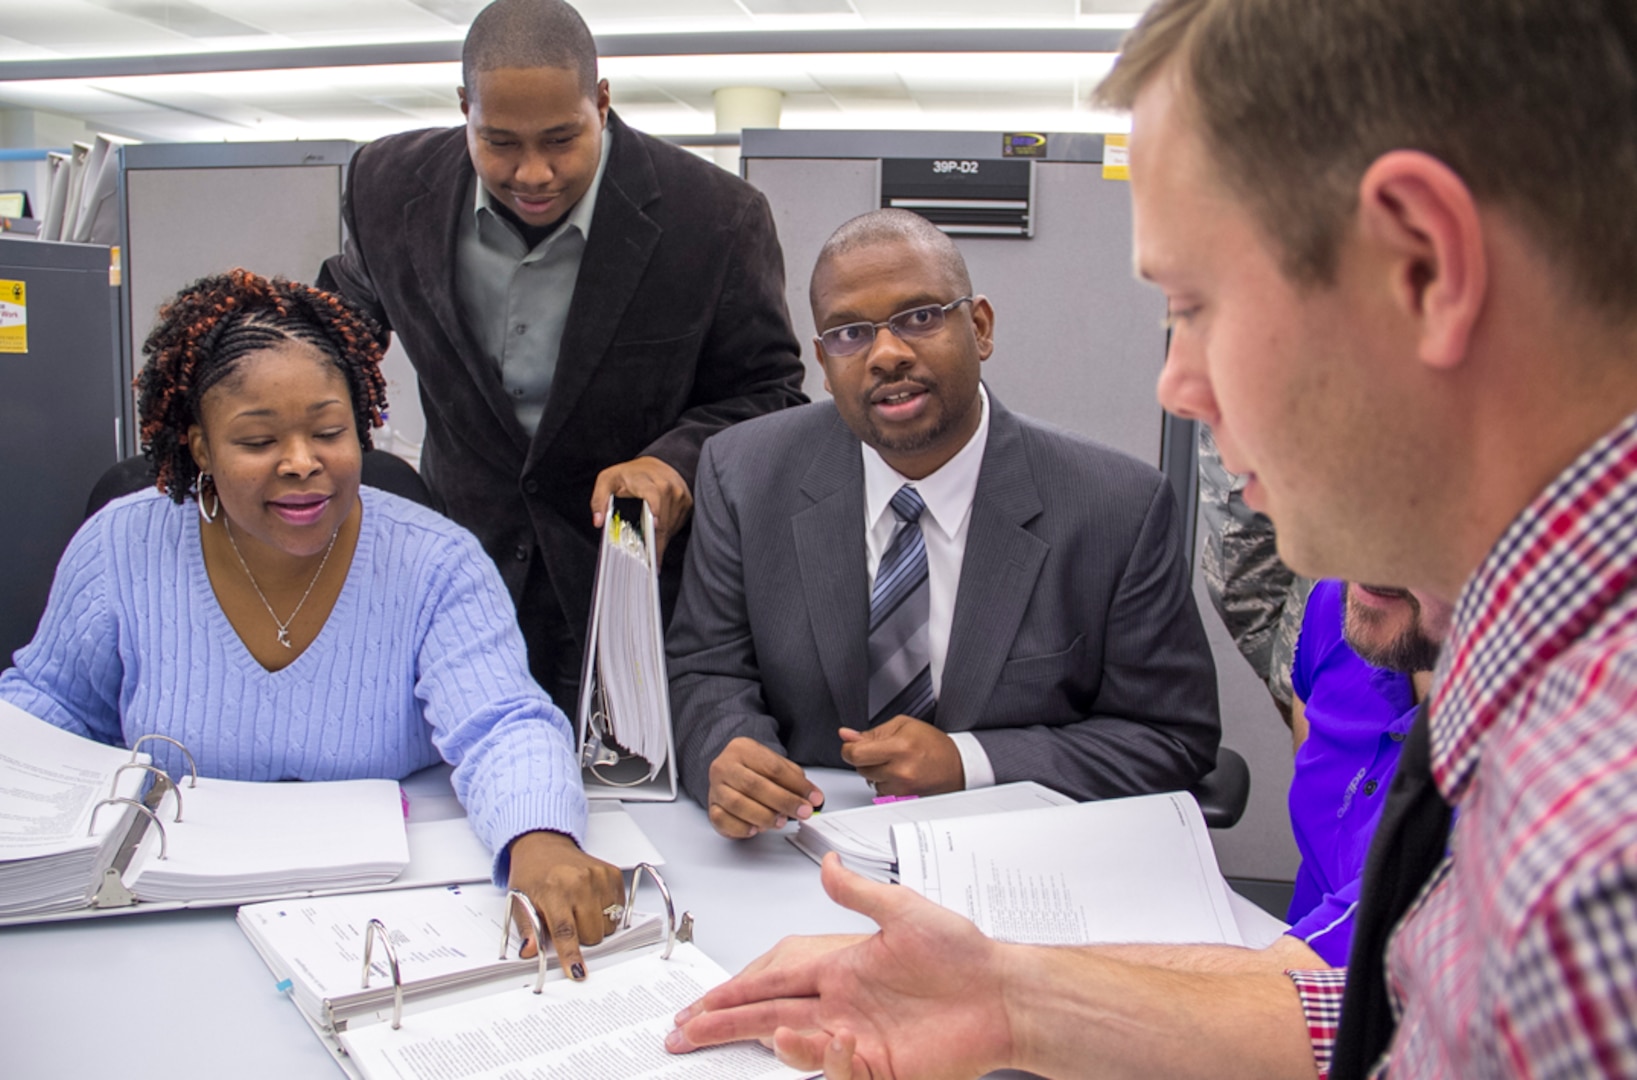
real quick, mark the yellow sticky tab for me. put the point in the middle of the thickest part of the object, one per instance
(13, 317)
(1116, 158)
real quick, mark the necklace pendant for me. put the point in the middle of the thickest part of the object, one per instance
(284, 639)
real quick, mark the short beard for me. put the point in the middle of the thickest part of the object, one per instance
(1408, 652)
(915, 442)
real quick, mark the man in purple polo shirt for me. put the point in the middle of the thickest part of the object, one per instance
(1364, 661)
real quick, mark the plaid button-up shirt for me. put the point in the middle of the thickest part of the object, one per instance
(1520, 956)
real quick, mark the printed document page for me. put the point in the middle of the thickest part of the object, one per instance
(1138, 869)
(610, 1027)
(50, 780)
(863, 836)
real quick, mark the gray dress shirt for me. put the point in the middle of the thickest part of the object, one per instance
(515, 299)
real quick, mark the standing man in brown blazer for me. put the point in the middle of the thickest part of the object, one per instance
(583, 305)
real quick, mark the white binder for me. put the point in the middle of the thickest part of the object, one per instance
(627, 747)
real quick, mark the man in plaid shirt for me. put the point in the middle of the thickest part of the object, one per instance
(1399, 243)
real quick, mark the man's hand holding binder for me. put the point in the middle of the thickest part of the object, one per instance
(579, 896)
(656, 483)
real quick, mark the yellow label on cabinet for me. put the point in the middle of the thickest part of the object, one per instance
(13, 317)
(1116, 158)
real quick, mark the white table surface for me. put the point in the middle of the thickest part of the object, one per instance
(182, 995)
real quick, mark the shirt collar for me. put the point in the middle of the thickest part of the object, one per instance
(948, 492)
(577, 218)
(1558, 568)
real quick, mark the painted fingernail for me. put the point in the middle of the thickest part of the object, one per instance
(576, 971)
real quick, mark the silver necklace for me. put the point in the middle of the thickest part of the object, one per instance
(282, 624)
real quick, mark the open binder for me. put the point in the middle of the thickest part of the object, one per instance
(79, 834)
(407, 985)
(627, 749)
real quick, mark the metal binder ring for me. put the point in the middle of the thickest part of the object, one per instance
(160, 825)
(665, 892)
(161, 781)
(193, 770)
(516, 900)
(376, 926)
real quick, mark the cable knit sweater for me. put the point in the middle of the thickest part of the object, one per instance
(420, 658)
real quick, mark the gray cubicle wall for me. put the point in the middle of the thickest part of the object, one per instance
(192, 209)
(1078, 342)
(59, 416)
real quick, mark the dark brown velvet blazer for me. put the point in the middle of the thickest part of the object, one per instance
(678, 328)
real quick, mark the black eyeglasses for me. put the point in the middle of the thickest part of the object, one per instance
(911, 325)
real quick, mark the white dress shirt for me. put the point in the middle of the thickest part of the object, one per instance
(948, 494)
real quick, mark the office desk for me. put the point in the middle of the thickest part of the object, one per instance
(182, 995)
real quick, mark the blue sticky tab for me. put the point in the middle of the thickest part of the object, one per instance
(283, 986)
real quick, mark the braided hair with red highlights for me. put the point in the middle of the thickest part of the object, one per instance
(206, 331)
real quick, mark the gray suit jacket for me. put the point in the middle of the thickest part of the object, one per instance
(1076, 654)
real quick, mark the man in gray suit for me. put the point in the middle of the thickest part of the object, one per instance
(913, 581)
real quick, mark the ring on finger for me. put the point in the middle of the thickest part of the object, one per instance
(614, 912)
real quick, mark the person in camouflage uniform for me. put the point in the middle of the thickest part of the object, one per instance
(1259, 598)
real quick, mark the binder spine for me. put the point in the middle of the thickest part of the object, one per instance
(161, 783)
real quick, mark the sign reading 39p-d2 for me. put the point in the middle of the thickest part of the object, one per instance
(13, 317)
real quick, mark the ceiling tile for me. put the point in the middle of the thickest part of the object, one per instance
(180, 17)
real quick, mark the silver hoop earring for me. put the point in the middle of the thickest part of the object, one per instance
(199, 498)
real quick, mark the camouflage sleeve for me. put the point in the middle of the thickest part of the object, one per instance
(1259, 599)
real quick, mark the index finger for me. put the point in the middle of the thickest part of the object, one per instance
(557, 918)
(758, 1020)
(868, 752)
(779, 770)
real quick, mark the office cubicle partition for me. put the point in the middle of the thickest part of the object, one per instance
(1078, 343)
(192, 209)
(61, 391)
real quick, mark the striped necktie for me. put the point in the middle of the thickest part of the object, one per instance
(900, 644)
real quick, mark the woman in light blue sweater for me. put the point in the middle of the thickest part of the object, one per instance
(285, 623)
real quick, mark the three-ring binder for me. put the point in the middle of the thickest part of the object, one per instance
(625, 606)
(521, 914)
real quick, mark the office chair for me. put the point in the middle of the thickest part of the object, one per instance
(1224, 791)
(381, 470)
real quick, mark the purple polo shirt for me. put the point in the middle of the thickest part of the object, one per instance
(1357, 718)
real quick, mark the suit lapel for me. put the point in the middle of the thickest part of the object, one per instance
(431, 222)
(829, 537)
(622, 240)
(998, 574)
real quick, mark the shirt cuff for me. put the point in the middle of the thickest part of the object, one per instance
(979, 773)
(1321, 993)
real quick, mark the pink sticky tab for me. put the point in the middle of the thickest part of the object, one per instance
(878, 800)
(404, 796)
